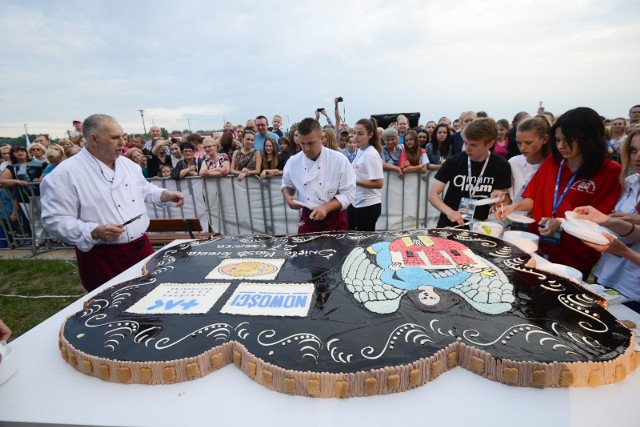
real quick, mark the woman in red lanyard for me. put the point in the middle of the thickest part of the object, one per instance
(576, 174)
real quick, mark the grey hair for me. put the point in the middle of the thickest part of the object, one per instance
(467, 113)
(92, 124)
(391, 132)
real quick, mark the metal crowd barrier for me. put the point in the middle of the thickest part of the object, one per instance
(20, 218)
(228, 206)
(256, 206)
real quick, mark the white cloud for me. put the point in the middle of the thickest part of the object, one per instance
(208, 61)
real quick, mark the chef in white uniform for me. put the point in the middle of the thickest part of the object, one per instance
(323, 179)
(96, 201)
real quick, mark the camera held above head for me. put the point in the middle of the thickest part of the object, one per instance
(340, 99)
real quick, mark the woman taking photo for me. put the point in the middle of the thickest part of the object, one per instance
(246, 161)
(576, 174)
(367, 206)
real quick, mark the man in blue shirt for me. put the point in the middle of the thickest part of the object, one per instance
(263, 131)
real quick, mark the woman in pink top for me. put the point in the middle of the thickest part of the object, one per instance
(500, 148)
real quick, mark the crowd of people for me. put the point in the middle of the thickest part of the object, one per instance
(541, 164)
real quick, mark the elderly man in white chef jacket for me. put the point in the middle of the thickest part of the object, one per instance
(96, 201)
(323, 179)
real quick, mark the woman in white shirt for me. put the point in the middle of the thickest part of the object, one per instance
(367, 165)
(618, 268)
(533, 141)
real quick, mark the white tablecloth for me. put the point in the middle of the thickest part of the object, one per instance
(46, 390)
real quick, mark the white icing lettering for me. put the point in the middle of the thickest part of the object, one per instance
(324, 253)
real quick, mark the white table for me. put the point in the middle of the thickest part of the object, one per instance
(46, 390)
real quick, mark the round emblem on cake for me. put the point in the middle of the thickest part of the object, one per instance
(247, 269)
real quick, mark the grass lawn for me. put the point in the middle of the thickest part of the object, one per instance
(35, 278)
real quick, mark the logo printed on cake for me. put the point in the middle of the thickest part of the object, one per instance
(246, 268)
(264, 299)
(430, 267)
(180, 298)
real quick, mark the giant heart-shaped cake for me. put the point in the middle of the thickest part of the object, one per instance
(348, 314)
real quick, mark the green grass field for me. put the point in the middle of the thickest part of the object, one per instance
(35, 278)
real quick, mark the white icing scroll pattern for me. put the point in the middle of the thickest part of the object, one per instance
(95, 306)
(412, 332)
(504, 252)
(438, 330)
(466, 237)
(333, 351)
(219, 331)
(309, 343)
(580, 304)
(116, 331)
(505, 337)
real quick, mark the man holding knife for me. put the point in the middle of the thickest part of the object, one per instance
(323, 179)
(96, 201)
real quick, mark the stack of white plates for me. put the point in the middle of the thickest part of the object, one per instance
(527, 242)
(584, 229)
(520, 217)
(561, 270)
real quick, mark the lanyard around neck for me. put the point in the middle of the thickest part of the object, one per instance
(472, 190)
(556, 201)
(358, 155)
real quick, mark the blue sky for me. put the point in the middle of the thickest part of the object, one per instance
(205, 61)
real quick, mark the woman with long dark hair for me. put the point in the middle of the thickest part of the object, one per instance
(439, 148)
(413, 158)
(577, 173)
(272, 164)
(367, 206)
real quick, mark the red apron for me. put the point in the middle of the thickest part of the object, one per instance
(335, 221)
(104, 262)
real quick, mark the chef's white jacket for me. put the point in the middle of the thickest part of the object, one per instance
(83, 193)
(318, 182)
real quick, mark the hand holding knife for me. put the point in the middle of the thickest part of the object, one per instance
(131, 220)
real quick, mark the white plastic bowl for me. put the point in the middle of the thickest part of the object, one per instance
(527, 242)
(487, 228)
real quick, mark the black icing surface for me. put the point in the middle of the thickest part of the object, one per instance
(549, 319)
